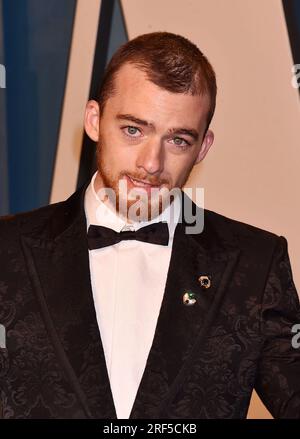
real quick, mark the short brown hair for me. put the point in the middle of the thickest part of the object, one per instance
(170, 61)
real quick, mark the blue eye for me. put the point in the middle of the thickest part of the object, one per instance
(131, 131)
(181, 143)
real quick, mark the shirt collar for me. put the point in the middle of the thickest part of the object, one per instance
(99, 213)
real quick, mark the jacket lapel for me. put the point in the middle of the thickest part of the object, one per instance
(58, 265)
(180, 328)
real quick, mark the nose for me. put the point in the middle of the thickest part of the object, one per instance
(151, 158)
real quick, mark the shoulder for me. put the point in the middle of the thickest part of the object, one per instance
(44, 220)
(235, 226)
(12, 225)
(241, 234)
(220, 230)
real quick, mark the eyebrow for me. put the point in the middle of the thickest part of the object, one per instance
(188, 131)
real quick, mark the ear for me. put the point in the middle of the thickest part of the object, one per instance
(206, 144)
(91, 120)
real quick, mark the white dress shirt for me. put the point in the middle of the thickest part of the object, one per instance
(128, 282)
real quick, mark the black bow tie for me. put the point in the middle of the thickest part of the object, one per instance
(156, 233)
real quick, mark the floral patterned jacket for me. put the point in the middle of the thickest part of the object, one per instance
(205, 359)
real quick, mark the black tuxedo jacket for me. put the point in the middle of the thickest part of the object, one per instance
(205, 359)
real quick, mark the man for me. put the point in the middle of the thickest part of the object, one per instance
(114, 311)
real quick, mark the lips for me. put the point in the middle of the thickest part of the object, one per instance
(140, 183)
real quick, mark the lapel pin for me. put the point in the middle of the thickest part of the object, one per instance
(205, 281)
(189, 298)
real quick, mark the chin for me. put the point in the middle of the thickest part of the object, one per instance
(137, 211)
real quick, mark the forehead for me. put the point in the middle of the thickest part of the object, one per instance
(135, 94)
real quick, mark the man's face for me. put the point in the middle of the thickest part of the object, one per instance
(147, 137)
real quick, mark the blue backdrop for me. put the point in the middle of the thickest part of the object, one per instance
(35, 48)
